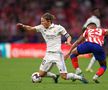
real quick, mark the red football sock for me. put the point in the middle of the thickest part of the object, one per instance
(75, 62)
(100, 71)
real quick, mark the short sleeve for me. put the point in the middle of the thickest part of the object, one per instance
(85, 33)
(62, 30)
(38, 28)
(104, 31)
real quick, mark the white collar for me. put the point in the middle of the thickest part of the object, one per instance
(52, 25)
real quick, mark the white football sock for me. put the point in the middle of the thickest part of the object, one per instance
(95, 76)
(92, 61)
(49, 74)
(73, 76)
(78, 71)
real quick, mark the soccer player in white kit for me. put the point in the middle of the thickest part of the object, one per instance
(93, 19)
(52, 34)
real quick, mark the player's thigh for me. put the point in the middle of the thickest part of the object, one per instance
(61, 64)
(99, 53)
(46, 65)
(84, 48)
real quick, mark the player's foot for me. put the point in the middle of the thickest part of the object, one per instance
(84, 80)
(56, 78)
(96, 81)
(89, 70)
(80, 73)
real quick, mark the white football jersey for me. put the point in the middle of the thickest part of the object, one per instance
(92, 19)
(52, 36)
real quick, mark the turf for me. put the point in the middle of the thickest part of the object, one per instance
(15, 75)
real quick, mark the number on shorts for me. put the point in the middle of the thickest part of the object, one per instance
(43, 62)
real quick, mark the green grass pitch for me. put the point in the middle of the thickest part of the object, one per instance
(15, 75)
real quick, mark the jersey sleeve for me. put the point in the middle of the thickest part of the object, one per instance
(62, 30)
(104, 31)
(85, 33)
(38, 28)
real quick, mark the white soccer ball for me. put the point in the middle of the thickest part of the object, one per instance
(36, 78)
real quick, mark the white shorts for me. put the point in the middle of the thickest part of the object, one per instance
(53, 58)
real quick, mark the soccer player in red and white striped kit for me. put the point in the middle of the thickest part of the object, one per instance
(90, 41)
(94, 18)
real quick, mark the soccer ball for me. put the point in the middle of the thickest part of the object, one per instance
(36, 78)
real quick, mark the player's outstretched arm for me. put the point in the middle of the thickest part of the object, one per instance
(25, 27)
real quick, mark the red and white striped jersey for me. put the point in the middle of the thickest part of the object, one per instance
(95, 35)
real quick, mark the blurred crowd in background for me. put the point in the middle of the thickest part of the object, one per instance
(71, 14)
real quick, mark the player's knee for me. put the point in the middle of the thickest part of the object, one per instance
(104, 67)
(73, 56)
(64, 76)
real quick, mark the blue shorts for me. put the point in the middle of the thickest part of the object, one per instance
(96, 49)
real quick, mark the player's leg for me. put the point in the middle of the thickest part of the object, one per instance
(49, 74)
(45, 68)
(70, 76)
(63, 71)
(91, 63)
(52, 75)
(83, 48)
(74, 61)
(101, 57)
(100, 71)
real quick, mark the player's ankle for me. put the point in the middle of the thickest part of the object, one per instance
(95, 77)
(78, 71)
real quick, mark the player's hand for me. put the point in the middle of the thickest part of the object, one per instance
(66, 56)
(20, 26)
